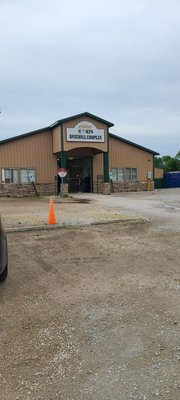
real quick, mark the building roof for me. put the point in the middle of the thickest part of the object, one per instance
(24, 135)
(57, 123)
(85, 114)
(133, 144)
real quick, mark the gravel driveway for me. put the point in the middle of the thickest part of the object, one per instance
(92, 311)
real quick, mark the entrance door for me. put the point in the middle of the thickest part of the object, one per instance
(80, 174)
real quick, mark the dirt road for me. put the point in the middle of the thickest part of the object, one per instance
(92, 312)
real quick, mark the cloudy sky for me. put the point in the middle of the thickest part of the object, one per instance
(117, 59)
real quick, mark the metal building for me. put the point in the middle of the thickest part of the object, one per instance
(95, 159)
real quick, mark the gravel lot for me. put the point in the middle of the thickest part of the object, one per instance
(92, 311)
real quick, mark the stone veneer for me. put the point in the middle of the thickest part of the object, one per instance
(65, 188)
(26, 189)
(47, 189)
(106, 189)
(131, 186)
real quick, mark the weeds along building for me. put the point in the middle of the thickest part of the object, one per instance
(95, 159)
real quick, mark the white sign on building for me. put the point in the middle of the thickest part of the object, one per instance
(85, 131)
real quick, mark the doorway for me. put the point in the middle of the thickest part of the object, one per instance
(79, 174)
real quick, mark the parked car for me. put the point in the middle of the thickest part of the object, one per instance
(3, 254)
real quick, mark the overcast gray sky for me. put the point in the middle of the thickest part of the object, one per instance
(117, 59)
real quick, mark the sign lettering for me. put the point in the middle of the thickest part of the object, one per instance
(85, 132)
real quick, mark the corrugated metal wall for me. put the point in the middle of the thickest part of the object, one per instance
(98, 169)
(57, 139)
(172, 179)
(123, 155)
(34, 151)
(158, 173)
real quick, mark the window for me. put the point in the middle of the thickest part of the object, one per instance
(7, 175)
(134, 174)
(23, 176)
(10, 176)
(14, 175)
(128, 174)
(120, 173)
(124, 174)
(31, 175)
(114, 174)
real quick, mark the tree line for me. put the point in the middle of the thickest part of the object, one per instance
(168, 163)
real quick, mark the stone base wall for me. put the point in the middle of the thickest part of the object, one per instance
(27, 190)
(106, 189)
(49, 189)
(117, 187)
(46, 189)
(65, 188)
(131, 186)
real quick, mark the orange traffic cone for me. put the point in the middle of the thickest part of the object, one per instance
(51, 216)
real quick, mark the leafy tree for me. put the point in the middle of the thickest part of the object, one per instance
(158, 162)
(168, 163)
